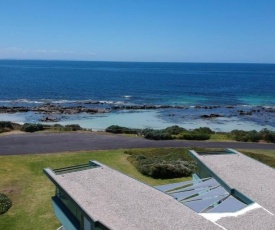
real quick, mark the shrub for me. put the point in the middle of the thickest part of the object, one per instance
(167, 169)
(27, 127)
(58, 126)
(157, 135)
(5, 126)
(162, 163)
(253, 136)
(195, 136)
(174, 130)
(73, 127)
(204, 130)
(245, 136)
(121, 129)
(267, 135)
(5, 203)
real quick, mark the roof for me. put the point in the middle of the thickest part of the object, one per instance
(122, 202)
(252, 178)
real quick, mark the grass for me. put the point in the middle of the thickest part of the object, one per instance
(30, 190)
(270, 153)
(267, 157)
(221, 137)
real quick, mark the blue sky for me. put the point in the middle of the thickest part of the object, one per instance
(139, 30)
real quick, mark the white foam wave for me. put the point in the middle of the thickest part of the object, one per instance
(21, 101)
(63, 101)
(55, 101)
(107, 102)
(269, 106)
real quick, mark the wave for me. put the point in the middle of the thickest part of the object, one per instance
(61, 101)
(22, 101)
(113, 102)
(127, 96)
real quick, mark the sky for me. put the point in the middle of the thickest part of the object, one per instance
(238, 31)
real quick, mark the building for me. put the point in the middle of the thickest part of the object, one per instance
(229, 191)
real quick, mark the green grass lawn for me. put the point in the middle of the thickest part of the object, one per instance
(221, 137)
(267, 157)
(22, 179)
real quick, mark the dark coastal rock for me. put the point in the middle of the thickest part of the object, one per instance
(49, 119)
(53, 109)
(270, 110)
(205, 116)
(136, 107)
(242, 113)
(91, 102)
(13, 109)
(207, 107)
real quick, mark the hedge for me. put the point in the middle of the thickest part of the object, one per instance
(28, 127)
(120, 129)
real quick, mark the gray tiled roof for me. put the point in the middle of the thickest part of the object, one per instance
(252, 178)
(121, 202)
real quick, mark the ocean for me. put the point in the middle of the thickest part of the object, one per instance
(240, 95)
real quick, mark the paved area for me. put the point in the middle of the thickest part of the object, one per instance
(61, 142)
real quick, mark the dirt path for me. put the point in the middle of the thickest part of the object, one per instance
(61, 142)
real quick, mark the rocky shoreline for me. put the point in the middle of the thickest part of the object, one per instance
(52, 111)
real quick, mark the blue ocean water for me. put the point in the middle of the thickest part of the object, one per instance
(244, 94)
(138, 83)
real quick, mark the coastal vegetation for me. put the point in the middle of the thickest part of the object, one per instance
(162, 163)
(120, 129)
(30, 128)
(202, 133)
(7, 126)
(169, 133)
(254, 136)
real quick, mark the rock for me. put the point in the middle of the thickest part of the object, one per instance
(91, 102)
(136, 107)
(211, 116)
(207, 107)
(242, 113)
(49, 119)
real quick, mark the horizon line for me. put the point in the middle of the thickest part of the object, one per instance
(191, 62)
